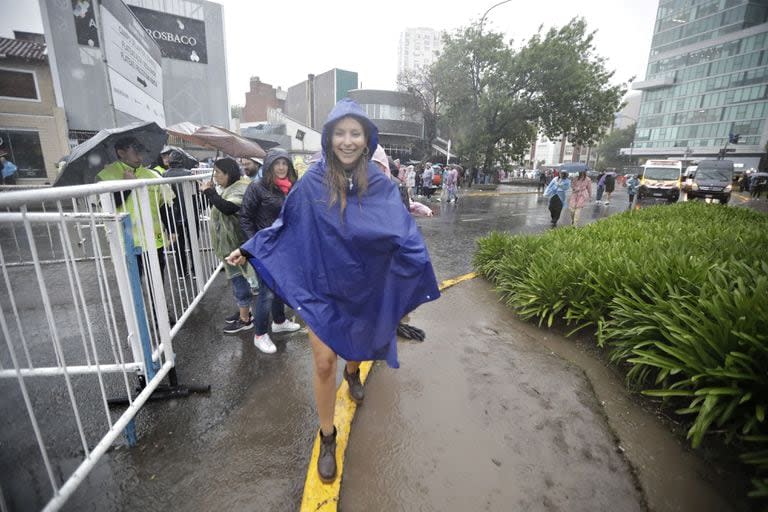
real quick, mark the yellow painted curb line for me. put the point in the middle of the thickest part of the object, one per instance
(456, 280)
(319, 496)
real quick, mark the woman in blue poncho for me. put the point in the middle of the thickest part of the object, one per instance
(346, 255)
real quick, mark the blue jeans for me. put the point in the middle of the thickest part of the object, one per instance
(241, 288)
(267, 304)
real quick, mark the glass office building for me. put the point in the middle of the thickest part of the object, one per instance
(707, 78)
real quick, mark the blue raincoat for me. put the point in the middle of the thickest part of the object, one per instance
(351, 280)
(558, 187)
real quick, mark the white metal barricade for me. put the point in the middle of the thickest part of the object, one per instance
(96, 282)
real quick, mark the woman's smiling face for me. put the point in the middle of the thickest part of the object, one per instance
(348, 141)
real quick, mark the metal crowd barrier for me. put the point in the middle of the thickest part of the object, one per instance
(88, 313)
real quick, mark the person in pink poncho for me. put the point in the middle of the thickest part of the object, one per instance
(581, 194)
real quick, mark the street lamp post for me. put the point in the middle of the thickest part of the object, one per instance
(482, 20)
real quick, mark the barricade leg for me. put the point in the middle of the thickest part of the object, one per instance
(130, 433)
(163, 392)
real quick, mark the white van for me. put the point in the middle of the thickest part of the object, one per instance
(661, 179)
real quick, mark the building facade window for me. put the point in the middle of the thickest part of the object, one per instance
(18, 84)
(391, 112)
(24, 150)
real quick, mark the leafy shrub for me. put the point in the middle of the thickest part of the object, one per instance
(678, 294)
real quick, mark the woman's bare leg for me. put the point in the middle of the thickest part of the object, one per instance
(324, 380)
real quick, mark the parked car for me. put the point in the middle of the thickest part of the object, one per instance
(713, 180)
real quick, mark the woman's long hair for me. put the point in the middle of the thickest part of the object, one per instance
(336, 177)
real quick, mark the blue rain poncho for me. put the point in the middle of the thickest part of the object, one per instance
(352, 279)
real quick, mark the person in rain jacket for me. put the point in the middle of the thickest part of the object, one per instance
(7, 170)
(348, 258)
(556, 192)
(129, 167)
(261, 207)
(632, 184)
(451, 184)
(609, 181)
(581, 194)
(176, 169)
(427, 179)
(600, 187)
(226, 235)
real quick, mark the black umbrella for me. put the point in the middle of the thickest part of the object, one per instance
(90, 157)
(190, 162)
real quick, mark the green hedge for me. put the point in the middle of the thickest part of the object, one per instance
(678, 294)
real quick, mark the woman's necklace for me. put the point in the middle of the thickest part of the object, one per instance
(348, 174)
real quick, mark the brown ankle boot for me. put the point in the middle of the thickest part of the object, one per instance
(326, 462)
(356, 390)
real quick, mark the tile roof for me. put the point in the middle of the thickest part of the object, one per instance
(16, 48)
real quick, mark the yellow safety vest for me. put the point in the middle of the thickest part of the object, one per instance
(159, 195)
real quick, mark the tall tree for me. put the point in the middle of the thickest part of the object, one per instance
(611, 145)
(422, 85)
(497, 97)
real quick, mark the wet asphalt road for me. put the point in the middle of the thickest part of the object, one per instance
(246, 445)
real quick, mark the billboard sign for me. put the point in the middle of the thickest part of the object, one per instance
(85, 23)
(133, 66)
(178, 37)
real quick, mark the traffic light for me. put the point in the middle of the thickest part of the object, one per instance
(723, 151)
(734, 138)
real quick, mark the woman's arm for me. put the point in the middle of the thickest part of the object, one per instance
(221, 204)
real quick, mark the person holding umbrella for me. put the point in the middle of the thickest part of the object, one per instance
(128, 166)
(226, 235)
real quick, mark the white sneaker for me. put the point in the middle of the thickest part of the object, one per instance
(286, 326)
(264, 343)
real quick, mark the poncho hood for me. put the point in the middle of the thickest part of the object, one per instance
(272, 156)
(344, 108)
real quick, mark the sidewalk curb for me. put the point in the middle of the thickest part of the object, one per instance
(325, 497)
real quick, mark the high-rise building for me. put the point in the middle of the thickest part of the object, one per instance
(418, 47)
(707, 78)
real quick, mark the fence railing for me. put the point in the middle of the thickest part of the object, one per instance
(96, 282)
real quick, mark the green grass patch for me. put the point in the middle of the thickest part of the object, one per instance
(677, 294)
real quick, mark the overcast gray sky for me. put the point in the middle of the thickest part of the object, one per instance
(282, 41)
